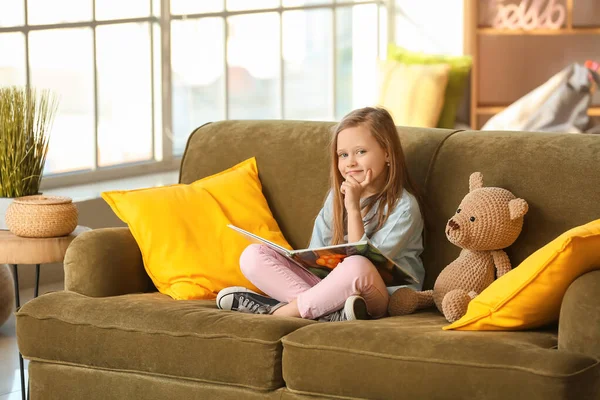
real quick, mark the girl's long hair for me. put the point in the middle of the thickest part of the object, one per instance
(382, 127)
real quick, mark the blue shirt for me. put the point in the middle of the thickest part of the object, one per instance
(400, 238)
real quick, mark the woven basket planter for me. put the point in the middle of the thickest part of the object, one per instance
(41, 216)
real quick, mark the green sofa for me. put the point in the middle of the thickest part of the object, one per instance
(110, 335)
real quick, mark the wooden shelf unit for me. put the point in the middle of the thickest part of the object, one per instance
(593, 111)
(544, 32)
(473, 33)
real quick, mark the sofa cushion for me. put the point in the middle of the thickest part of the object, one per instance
(412, 357)
(152, 333)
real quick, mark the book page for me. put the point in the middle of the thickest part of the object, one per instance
(257, 239)
(329, 257)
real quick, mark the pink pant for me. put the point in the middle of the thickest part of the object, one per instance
(283, 280)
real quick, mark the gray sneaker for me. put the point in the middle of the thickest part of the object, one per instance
(355, 308)
(238, 298)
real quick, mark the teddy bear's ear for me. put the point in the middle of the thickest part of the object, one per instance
(517, 208)
(475, 181)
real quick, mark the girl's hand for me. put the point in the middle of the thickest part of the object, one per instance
(352, 191)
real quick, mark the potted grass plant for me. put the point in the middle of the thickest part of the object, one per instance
(26, 117)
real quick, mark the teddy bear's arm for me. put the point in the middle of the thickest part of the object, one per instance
(502, 262)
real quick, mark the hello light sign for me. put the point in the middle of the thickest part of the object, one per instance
(528, 14)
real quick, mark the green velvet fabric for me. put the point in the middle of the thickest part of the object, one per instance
(557, 174)
(152, 333)
(412, 357)
(293, 163)
(579, 325)
(54, 381)
(105, 262)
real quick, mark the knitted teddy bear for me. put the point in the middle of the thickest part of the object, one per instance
(488, 220)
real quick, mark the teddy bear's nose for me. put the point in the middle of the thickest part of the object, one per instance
(452, 224)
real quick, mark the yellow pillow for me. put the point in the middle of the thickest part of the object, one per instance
(530, 295)
(188, 251)
(413, 93)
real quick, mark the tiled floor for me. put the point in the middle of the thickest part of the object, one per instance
(10, 378)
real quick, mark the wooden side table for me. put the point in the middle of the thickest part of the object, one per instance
(17, 250)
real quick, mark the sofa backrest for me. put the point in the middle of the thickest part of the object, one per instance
(559, 175)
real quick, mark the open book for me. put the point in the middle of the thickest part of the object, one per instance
(327, 258)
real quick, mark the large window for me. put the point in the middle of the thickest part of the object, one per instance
(136, 77)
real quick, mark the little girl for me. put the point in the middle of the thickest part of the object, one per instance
(371, 197)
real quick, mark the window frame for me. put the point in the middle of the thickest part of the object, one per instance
(160, 17)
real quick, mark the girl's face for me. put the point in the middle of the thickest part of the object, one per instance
(357, 152)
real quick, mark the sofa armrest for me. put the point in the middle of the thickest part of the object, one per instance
(105, 262)
(579, 322)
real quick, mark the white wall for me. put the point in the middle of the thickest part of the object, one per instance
(431, 26)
